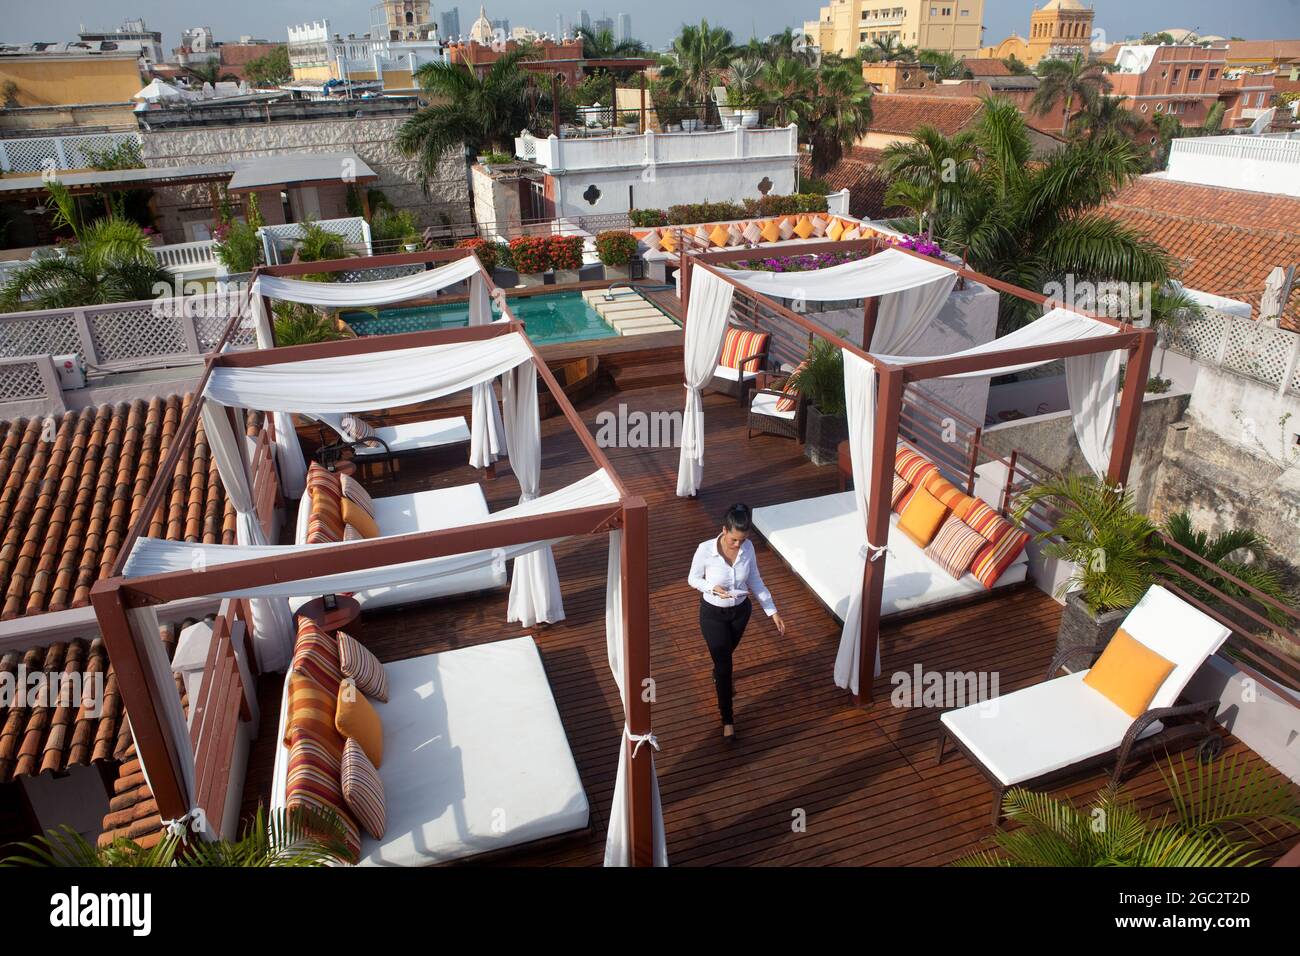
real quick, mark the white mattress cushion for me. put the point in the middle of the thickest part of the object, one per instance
(416, 436)
(765, 404)
(724, 371)
(1178, 632)
(1040, 729)
(822, 540)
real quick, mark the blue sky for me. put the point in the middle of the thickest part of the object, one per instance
(654, 21)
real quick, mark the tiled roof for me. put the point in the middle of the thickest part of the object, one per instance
(905, 113)
(856, 171)
(1263, 50)
(985, 66)
(1226, 241)
(71, 487)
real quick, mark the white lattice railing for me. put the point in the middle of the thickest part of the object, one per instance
(39, 153)
(1266, 353)
(28, 378)
(126, 334)
(277, 241)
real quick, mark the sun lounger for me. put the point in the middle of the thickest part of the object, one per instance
(1062, 725)
(403, 439)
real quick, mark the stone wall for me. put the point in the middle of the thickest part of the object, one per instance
(372, 138)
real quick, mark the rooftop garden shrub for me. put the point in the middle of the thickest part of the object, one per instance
(238, 247)
(495, 158)
(486, 250)
(388, 228)
(698, 212)
(648, 218)
(790, 205)
(299, 324)
(616, 248)
(531, 254)
(566, 252)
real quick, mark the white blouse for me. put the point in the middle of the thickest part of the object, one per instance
(710, 568)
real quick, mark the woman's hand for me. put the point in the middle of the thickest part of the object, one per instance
(780, 624)
(720, 591)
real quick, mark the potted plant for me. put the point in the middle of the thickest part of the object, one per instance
(1109, 545)
(616, 250)
(486, 251)
(566, 258)
(532, 257)
(631, 122)
(821, 381)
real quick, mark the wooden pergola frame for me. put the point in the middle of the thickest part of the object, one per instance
(1139, 343)
(112, 597)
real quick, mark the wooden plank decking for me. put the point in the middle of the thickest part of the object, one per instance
(865, 780)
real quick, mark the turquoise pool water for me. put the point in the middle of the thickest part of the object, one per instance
(561, 317)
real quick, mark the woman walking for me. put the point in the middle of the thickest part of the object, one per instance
(725, 572)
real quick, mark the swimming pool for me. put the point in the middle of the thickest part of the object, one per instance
(558, 317)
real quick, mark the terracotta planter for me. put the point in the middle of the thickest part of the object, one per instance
(1081, 628)
(823, 435)
(531, 280)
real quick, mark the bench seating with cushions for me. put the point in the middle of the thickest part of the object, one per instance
(1063, 724)
(419, 511)
(472, 740)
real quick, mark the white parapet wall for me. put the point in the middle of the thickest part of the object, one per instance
(1269, 164)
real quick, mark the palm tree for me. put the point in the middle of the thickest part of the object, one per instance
(1075, 79)
(1032, 221)
(783, 46)
(1223, 813)
(943, 65)
(302, 838)
(888, 47)
(927, 172)
(696, 61)
(786, 84)
(1106, 114)
(838, 113)
(471, 111)
(602, 45)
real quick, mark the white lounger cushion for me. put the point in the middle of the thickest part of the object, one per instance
(475, 757)
(418, 436)
(724, 371)
(821, 538)
(420, 511)
(765, 404)
(1061, 722)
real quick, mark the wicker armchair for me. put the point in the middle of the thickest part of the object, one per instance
(766, 419)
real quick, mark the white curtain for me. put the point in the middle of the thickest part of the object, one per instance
(1093, 385)
(288, 450)
(486, 428)
(343, 295)
(534, 585)
(374, 380)
(906, 315)
(860, 403)
(618, 847)
(273, 630)
(882, 274)
(152, 556)
(706, 321)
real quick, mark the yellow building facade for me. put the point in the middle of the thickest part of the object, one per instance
(58, 79)
(1057, 30)
(953, 26)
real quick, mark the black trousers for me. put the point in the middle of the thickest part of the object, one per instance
(723, 627)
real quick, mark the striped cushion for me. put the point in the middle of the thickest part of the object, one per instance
(954, 547)
(320, 478)
(357, 662)
(786, 228)
(363, 791)
(752, 232)
(740, 344)
(352, 534)
(355, 492)
(944, 490)
(900, 488)
(913, 467)
(316, 654)
(357, 428)
(789, 400)
(325, 521)
(315, 783)
(990, 525)
(311, 711)
(995, 557)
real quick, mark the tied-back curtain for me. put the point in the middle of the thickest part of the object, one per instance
(288, 450)
(535, 584)
(1092, 382)
(906, 315)
(860, 404)
(618, 845)
(706, 322)
(486, 427)
(273, 630)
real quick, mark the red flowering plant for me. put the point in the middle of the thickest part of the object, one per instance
(532, 254)
(616, 248)
(484, 249)
(566, 252)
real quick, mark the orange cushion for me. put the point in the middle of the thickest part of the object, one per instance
(314, 784)
(316, 654)
(668, 241)
(311, 711)
(358, 720)
(835, 231)
(356, 517)
(325, 521)
(719, 236)
(991, 563)
(740, 344)
(771, 230)
(1128, 673)
(922, 517)
(944, 490)
(804, 229)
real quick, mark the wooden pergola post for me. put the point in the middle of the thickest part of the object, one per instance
(870, 315)
(889, 403)
(636, 673)
(1130, 408)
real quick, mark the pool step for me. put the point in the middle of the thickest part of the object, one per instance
(610, 309)
(642, 325)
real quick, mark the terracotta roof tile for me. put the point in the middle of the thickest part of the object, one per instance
(986, 66)
(905, 113)
(1226, 241)
(70, 487)
(856, 171)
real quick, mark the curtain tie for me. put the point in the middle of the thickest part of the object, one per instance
(639, 739)
(871, 552)
(182, 825)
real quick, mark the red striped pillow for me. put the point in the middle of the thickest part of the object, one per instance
(357, 428)
(363, 790)
(914, 467)
(320, 478)
(316, 654)
(356, 661)
(311, 711)
(325, 520)
(955, 546)
(356, 493)
(992, 562)
(900, 489)
(740, 344)
(945, 491)
(789, 399)
(986, 522)
(314, 784)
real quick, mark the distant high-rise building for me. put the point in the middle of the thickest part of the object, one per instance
(624, 26)
(450, 24)
(559, 25)
(501, 26)
(582, 20)
(602, 25)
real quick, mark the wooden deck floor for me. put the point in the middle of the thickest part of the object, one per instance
(865, 780)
